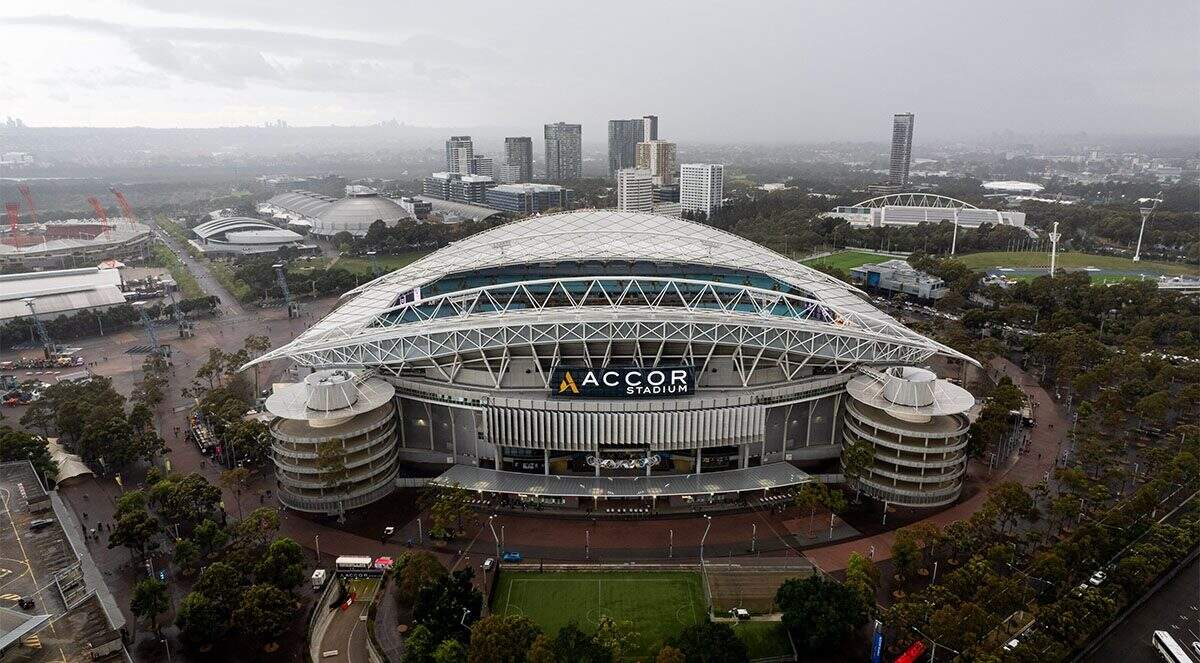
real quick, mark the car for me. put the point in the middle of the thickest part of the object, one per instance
(1097, 578)
(388, 531)
(40, 523)
(25, 603)
(511, 556)
(488, 564)
(1012, 644)
(741, 614)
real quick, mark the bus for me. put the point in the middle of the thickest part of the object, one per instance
(1168, 648)
(356, 566)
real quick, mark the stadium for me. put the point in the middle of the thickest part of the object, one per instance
(68, 244)
(325, 217)
(618, 362)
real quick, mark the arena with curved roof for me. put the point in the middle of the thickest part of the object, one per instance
(326, 217)
(71, 243)
(241, 235)
(910, 209)
(618, 356)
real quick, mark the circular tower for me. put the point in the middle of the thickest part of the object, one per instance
(916, 426)
(333, 441)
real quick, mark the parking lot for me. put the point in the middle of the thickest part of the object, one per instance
(38, 564)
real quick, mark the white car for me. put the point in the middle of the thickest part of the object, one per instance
(1097, 578)
(388, 531)
(488, 564)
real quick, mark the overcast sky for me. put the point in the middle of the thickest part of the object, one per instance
(713, 72)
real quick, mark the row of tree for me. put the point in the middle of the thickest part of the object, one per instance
(92, 322)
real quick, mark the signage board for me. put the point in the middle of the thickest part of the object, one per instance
(622, 382)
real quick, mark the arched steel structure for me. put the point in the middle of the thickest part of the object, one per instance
(915, 199)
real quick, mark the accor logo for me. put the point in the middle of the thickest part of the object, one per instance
(568, 384)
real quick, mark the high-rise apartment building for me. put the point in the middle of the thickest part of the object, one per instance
(459, 151)
(658, 157)
(481, 165)
(902, 134)
(623, 137)
(564, 151)
(649, 127)
(518, 151)
(701, 187)
(635, 190)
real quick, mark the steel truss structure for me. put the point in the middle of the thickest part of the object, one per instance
(915, 199)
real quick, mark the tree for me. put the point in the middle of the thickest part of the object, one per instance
(502, 639)
(819, 614)
(209, 537)
(187, 553)
(449, 510)
(572, 644)
(863, 577)
(857, 457)
(417, 569)
(283, 565)
(200, 620)
(710, 642)
(542, 650)
(450, 651)
(186, 501)
(149, 601)
(617, 637)
(419, 646)
(906, 554)
(136, 530)
(19, 445)
(669, 654)
(264, 612)
(222, 584)
(331, 461)
(235, 480)
(440, 605)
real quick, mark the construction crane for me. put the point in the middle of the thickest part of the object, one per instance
(1146, 212)
(14, 216)
(186, 329)
(28, 196)
(156, 348)
(126, 208)
(100, 213)
(293, 310)
(48, 346)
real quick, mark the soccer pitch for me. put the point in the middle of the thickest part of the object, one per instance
(659, 603)
(848, 260)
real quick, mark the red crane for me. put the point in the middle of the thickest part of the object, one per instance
(100, 213)
(14, 216)
(25, 193)
(126, 208)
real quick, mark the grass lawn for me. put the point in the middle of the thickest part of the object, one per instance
(1071, 260)
(659, 604)
(360, 266)
(763, 639)
(847, 260)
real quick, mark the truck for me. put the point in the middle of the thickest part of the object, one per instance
(318, 579)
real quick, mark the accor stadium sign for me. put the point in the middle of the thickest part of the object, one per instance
(622, 382)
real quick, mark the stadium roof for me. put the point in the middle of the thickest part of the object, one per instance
(603, 235)
(59, 291)
(304, 203)
(119, 232)
(244, 230)
(356, 213)
(1014, 186)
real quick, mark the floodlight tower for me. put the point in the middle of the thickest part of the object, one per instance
(1054, 235)
(186, 329)
(1145, 212)
(156, 348)
(48, 346)
(293, 310)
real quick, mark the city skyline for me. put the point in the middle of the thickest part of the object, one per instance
(223, 64)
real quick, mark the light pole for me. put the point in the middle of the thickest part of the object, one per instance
(1054, 235)
(587, 544)
(670, 543)
(753, 537)
(420, 533)
(490, 518)
(708, 524)
(317, 541)
(1145, 212)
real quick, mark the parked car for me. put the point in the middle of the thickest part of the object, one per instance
(488, 564)
(511, 556)
(1097, 578)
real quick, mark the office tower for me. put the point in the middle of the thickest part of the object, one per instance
(635, 190)
(470, 188)
(564, 151)
(649, 127)
(518, 151)
(459, 151)
(482, 165)
(437, 185)
(623, 137)
(657, 156)
(701, 187)
(902, 133)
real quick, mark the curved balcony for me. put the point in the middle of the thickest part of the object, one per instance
(956, 459)
(904, 497)
(853, 425)
(282, 449)
(916, 477)
(330, 504)
(368, 462)
(913, 430)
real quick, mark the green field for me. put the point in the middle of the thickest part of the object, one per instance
(1070, 260)
(360, 266)
(659, 603)
(848, 260)
(763, 639)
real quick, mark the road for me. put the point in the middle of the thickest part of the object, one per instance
(199, 270)
(1175, 608)
(347, 633)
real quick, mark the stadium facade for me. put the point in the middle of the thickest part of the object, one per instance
(912, 209)
(601, 358)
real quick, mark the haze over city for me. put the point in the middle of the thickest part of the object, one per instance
(782, 71)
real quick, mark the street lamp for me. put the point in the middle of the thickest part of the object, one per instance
(707, 525)
(491, 527)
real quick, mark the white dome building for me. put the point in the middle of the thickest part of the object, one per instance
(356, 212)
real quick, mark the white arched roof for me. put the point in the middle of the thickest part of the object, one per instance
(915, 199)
(242, 224)
(588, 235)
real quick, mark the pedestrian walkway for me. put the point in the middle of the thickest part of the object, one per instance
(1027, 468)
